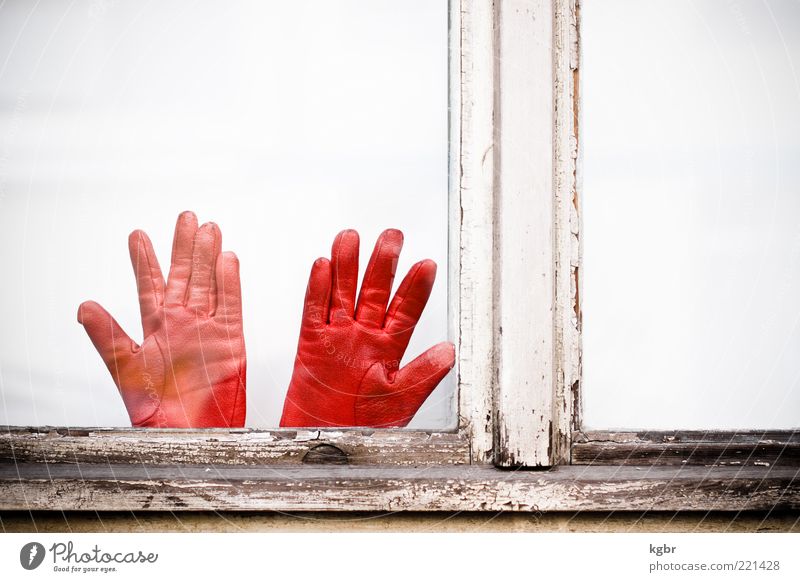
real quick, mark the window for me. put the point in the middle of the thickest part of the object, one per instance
(691, 203)
(688, 182)
(515, 280)
(282, 122)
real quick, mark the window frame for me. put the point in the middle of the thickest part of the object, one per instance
(514, 292)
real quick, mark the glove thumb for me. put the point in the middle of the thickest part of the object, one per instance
(385, 402)
(109, 339)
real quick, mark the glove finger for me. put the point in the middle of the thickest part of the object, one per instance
(109, 339)
(410, 300)
(202, 282)
(181, 265)
(229, 288)
(149, 280)
(318, 295)
(385, 401)
(378, 279)
(344, 265)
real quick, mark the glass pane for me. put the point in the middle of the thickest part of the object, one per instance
(691, 205)
(283, 122)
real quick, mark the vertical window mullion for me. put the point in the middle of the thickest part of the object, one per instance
(524, 265)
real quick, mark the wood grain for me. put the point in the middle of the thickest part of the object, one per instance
(567, 237)
(230, 447)
(706, 448)
(472, 215)
(306, 488)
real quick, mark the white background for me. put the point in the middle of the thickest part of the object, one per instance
(284, 122)
(402, 557)
(691, 205)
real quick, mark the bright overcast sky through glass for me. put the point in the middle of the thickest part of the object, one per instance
(284, 122)
(691, 208)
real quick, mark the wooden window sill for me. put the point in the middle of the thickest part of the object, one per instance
(132, 487)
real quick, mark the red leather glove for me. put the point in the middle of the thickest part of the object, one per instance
(346, 371)
(190, 369)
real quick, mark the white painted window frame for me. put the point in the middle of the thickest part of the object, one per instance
(515, 316)
(520, 329)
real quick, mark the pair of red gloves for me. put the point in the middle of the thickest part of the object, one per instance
(190, 369)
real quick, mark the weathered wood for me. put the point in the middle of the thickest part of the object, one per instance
(326, 454)
(566, 404)
(524, 246)
(471, 214)
(707, 448)
(229, 447)
(469, 488)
